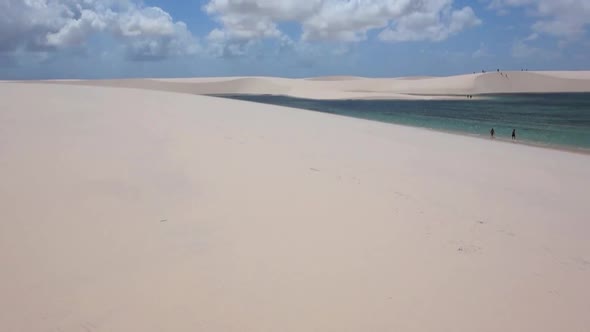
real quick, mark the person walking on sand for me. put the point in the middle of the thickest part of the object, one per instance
(492, 133)
(514, 134)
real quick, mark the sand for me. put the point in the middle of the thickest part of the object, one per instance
(350, 87)
(137, 210)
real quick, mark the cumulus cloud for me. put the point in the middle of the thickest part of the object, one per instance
(431, 25)
(559, 18)
(151, 33)
(74, 30)
(338, 20)
(49, 25)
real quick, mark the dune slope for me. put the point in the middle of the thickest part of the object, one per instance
(134, 210)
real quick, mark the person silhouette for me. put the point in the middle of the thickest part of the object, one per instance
(492, 133)
(513, 134)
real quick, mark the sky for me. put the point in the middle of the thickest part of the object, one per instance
(43, 39)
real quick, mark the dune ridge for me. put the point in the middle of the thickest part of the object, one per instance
(346, 87)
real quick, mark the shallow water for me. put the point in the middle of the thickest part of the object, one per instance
(557, 119)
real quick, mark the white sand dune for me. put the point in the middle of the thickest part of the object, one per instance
(335, 78)
(413, 77)
(344, 87)
(137, 210)
(531, 82)
(580, 74)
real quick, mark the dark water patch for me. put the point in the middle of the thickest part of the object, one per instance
(557, 119)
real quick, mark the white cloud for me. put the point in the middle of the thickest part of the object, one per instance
(431, 26)
(75, 31)
(151, 33)
(46, 25)
(150, 21)
(559, 18)
(338, 20)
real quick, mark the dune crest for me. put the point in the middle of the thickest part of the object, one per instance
(531, 82)
(345, 87)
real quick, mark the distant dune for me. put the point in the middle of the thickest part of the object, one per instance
(532, 82)
(350, 87)
(335, 78)
(413, 77)
(580, 74)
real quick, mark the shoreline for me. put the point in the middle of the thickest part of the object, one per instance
(583, 151)
(135, 84)
(556, 147)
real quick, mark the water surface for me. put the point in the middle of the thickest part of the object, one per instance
(557, 119)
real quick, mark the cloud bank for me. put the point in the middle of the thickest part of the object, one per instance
(241, 21)
(558, 18)
(51, 25)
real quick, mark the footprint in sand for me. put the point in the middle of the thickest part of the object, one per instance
(468, 249)
(464, 248)
(581, 262)
(506, 232)
(400, 194)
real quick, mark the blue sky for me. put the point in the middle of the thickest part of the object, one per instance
(291, 38)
